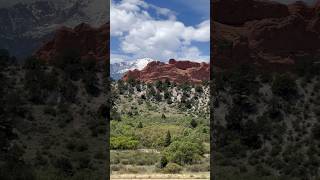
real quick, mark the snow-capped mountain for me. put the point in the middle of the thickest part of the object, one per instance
(118, 69)
(29, 23)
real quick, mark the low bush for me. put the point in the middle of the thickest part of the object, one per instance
(172, 168)
(123, 142)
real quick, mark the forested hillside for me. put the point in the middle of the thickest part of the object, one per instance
(52, 118)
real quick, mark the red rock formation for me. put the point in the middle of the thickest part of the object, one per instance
(85, 39)
(301, 8)
(287, 34)
(237, 12)
(270, 42)
(175, 71)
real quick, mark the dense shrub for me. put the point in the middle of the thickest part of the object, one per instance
(193, 123)
(184, 152)
(123, 142)
(64, 165)
(69, 62)
(199, 89)
(91, 84)
(284, 86)
(163, 162)
(68, 90)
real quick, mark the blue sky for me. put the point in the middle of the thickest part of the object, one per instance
(160, 29)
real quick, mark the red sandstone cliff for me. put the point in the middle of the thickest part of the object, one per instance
(87, 40)
(268, 34)
(175, 71)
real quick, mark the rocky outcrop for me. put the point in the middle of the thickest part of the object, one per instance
(237, 12)
(271, 42)
(26, 24)
(86, 40)
(288, 34)
(301, 8)
(175, 71)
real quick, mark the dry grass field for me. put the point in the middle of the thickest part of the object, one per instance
(193, 176)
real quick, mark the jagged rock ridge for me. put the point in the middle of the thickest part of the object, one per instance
(275, 41)
(88, 41)
(175, 71)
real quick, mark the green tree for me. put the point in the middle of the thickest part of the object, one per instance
(167, 95)
(163, 161)
(91, 84)
(89, 64)
(167, 83)
(167, 140)
(132, 81)
(140, 125)
(68, 90)
(159, 85)
(284, 86)
(122, 87)
(184, 152)
(193, 123)
(163, 116)
(151, 92)
(158, 97)
(69, 61)
(34, 85)
(32, 63)
(199, 89)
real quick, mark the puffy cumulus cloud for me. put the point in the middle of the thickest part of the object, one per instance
(201, 33)
(142, 35)
(193, 53)
(124, 15)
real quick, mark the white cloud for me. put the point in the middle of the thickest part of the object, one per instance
(193, 53)
(200, 33)
(164, 12)
(125, 15)
(117, 58)
(144, 36)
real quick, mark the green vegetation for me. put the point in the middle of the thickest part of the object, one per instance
(52, 119)
(123, 142)
(160, 136)
(266, 124)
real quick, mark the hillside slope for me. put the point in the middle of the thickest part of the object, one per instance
(58, 126)
(152, 123)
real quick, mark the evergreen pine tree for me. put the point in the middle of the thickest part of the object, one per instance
(163, 116)
(167, 139)
(163, 162)
(140, 125)
(193, 123)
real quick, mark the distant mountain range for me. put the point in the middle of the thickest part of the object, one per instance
(118, 69)
(25, 26)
